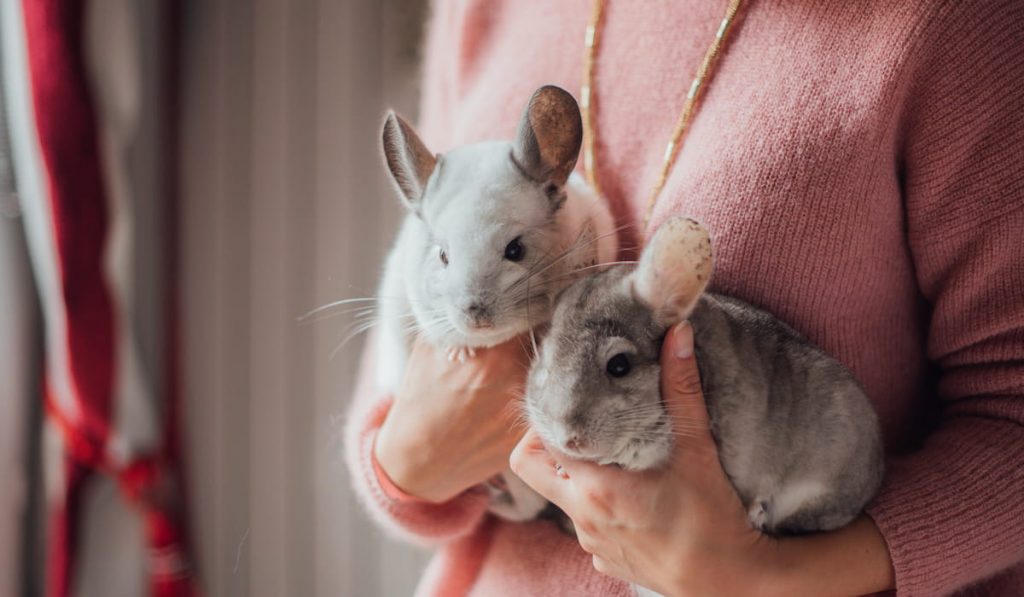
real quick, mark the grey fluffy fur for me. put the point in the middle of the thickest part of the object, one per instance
(796, 434)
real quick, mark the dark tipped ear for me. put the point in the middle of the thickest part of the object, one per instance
(549, 137)
(674, 270)
(408, 159)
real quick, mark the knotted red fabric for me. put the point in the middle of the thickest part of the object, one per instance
(79, 306)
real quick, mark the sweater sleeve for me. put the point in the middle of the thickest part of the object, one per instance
(950, 512)
(405, 516)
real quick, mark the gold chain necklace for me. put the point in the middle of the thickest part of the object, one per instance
(592, 42)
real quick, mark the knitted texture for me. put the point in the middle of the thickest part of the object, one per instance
(861, 168)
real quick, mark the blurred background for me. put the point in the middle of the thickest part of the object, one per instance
(222, 158)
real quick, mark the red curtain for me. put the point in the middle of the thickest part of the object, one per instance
(104, 414)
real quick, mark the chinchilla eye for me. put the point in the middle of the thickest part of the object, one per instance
(443, 255)
(515, 251)
(618, 365)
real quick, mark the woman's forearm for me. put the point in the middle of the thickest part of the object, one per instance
(853, 560)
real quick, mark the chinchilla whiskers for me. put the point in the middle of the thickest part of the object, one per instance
(580, 243)
(545, 436)
(571, 274)
(529, 409)
(649, 433)
(516, 411)
(652, 418)
(520, 423)
(529, 321)
(528, 274)
(550, 284)
(539, 263)
(532, 411)
(411, 326)
(530, 293)
(438, 324)
(528, 346)
(655, 407)
(691, 434)
(428, 314)
(654, 430)
(653, 423)
(516, 299)
(524, 301)
(331, 309)
(546, 283)
(366, 319)
(361, 319)
(361, 316)
(543, 267)
(348, 338)
(372, 300)
(647, 422)
(576, 245)
(638, 426)
(658, 415)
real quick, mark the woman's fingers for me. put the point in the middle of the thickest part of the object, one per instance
(607, 567)
(681, 390)
(531, 461)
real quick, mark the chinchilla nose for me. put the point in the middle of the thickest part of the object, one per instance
(479, 313)
(575, 442)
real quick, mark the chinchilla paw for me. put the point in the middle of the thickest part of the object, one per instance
(758, 514)
(460, 353)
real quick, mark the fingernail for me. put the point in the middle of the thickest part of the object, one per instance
(684, 340)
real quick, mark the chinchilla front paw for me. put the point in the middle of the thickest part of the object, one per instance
(460, 353)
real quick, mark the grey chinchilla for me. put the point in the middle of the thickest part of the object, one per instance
(796, 434)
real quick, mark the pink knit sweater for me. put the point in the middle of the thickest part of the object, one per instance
(861, 166)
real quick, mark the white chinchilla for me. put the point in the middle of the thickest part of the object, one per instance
(494, 231)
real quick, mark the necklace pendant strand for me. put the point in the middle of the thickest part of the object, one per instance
(592, 42)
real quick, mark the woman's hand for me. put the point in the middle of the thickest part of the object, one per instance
(683, 530)
(452, 424)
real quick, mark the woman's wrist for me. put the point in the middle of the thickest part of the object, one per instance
(395, 461)
(853, 560)
(410, 463)
(448, 428)
(390, 488)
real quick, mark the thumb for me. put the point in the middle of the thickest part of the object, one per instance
(680, 386)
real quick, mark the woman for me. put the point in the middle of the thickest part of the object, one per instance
(860, 167)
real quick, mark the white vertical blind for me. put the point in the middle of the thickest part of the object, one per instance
(19, 356)
(285, 207)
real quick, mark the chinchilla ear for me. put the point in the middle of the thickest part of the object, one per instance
(674, 270)
(549, 137)
(408, 159)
